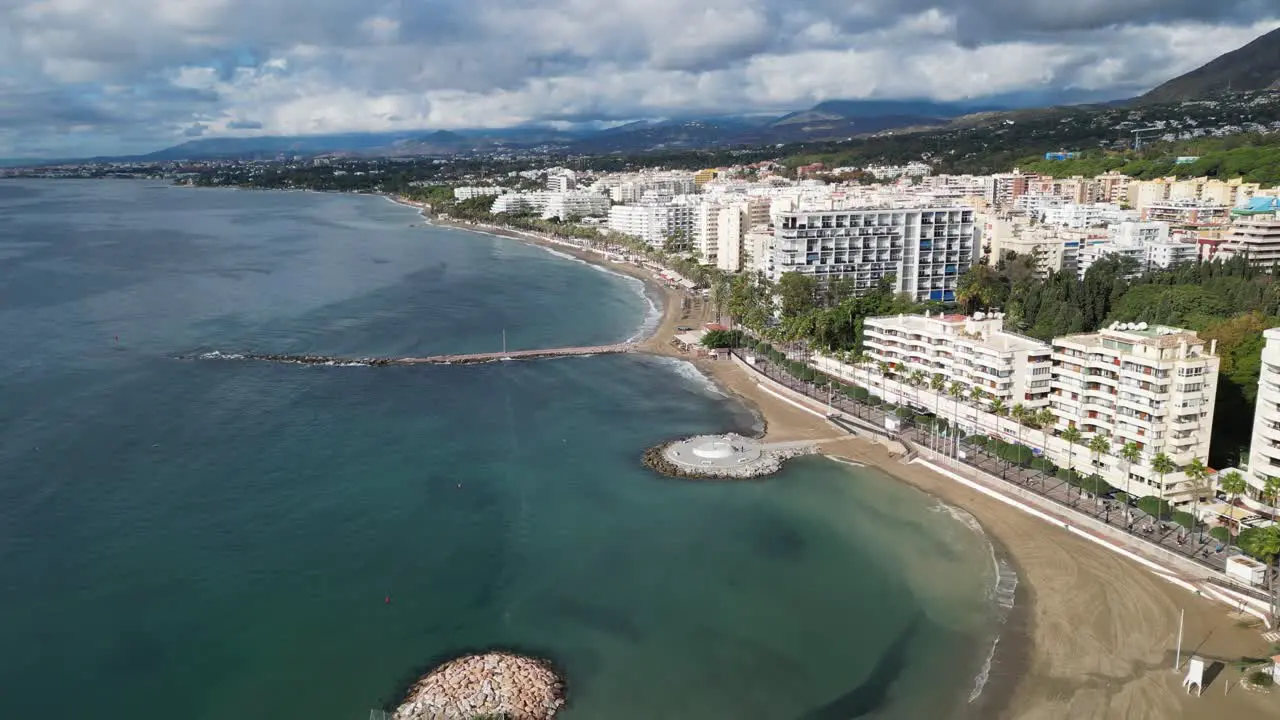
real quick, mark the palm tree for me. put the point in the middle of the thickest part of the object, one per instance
(937, 384)
(1162, 464)
(1271, 494)
(1131, 454)
(1021, 416)
(1099, 445)
(1197, 474)
(956, 391)
(1044, 417)
(916, 379)
(1233, 484)
(976, 396)
(883, 368)
(1072, 436)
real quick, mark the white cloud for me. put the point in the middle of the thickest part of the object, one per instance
(141, 73)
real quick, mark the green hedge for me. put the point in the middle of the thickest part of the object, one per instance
(859, 393)
(1154, 506)
(872, 400)
(1221, 534)
(1096, 485)
(1044, 465)
(1185, 519)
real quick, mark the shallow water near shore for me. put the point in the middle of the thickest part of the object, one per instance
(221, 539)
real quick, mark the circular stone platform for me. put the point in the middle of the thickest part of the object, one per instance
(713, 452)
(721, 456)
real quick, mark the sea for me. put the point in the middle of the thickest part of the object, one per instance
(218, 539)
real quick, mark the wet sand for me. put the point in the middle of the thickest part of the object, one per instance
(1099, 632)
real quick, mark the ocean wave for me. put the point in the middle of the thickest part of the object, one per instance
(216, 355)
(652, 316)
(692, 374)
(980, 681)
(1004, 594)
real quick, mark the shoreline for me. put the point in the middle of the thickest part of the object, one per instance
(1090, 633)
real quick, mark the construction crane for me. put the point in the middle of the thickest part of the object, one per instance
(1147, 132)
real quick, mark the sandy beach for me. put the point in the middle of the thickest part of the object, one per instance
(1098, 631)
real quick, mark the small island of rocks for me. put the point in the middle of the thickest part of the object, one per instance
(723, 457)
(495, 684)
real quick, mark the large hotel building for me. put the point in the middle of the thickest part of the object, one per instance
(924, 249)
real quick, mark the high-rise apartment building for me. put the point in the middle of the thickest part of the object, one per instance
(1264, 449)
(1256, 235)
(925, 250)
(975, 352)
(1152, 386)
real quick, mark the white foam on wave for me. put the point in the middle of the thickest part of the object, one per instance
(690, 373)
(1002, 593)
(217, 355)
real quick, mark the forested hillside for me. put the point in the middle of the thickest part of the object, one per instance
(1256, 158)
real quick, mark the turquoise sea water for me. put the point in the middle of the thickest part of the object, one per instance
(215, 539)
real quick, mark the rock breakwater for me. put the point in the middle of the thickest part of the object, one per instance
(496, 683)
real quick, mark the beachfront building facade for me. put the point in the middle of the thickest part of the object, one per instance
(1264, 448)
(925, 249)
(1152, 386)
(466, 192)
(552, 205)
(974, 352)
(658, 224)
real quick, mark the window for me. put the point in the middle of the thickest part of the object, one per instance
(1190, 387)
(1190, 372)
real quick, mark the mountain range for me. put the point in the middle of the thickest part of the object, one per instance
(827, 121)
(1254, 67)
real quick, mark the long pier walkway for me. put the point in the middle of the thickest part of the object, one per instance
(463, 359)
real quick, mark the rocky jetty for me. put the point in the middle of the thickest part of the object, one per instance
(502, 684)
(721, 457)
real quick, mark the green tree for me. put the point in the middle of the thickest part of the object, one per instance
(1271, 494)
(1234, 485)
(1072, 436)
(1130, 454)
(1099, 445)
(1197, 478)
(798, 293)
(1162, 465)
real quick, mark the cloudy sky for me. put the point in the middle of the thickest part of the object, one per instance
(81, 77)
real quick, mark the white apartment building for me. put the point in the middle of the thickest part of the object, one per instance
(973, 351)
(561, 205)
(562, 181)
(655, 224)
(719, 231)
(1256, 235)
(924, 249)
(1136, 233)
(1165, 255)
(1264, 449)
(1195, 214)
(1153, 386)
(466, 192)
